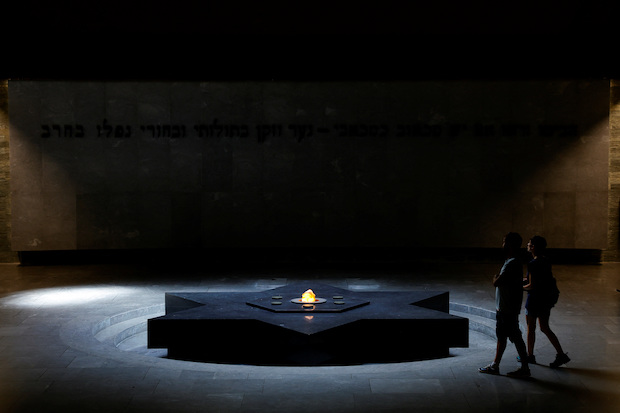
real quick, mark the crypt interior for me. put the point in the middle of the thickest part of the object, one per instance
(227, 150)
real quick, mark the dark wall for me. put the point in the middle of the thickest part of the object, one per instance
(135, 165)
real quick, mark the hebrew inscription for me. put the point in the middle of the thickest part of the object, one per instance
(300, 132)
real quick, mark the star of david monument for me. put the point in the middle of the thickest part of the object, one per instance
(307, 323)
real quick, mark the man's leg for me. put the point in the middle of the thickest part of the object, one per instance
(499, 351)
(522, 351)
(517, 339)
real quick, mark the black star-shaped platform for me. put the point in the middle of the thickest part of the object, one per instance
(271, 327)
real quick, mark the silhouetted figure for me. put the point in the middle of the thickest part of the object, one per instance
(542, 294)
(508, 299)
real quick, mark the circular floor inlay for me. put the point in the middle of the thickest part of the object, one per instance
(126, 333)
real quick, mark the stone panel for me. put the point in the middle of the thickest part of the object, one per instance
(590, 213)
(559, 219)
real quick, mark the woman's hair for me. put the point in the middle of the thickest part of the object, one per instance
(539, 243)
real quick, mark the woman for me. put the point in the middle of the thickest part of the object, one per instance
(541, 296)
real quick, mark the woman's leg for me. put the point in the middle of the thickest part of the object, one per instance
(544, 327)
(531, 334)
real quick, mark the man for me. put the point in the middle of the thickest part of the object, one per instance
(508, 299)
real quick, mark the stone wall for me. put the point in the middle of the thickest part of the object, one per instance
(613, 251)
(6, 255)
(407, 164)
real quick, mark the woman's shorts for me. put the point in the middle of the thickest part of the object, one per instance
(535, 308)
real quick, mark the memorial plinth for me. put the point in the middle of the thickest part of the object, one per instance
(273, 327)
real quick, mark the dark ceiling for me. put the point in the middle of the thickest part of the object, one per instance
(309, 40)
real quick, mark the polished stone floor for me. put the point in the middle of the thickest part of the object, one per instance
(72, 338)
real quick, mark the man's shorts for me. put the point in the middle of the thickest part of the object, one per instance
(507, 326)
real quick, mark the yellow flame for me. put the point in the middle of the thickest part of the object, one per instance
(308, 297)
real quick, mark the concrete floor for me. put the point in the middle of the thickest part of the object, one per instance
(72, 339)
